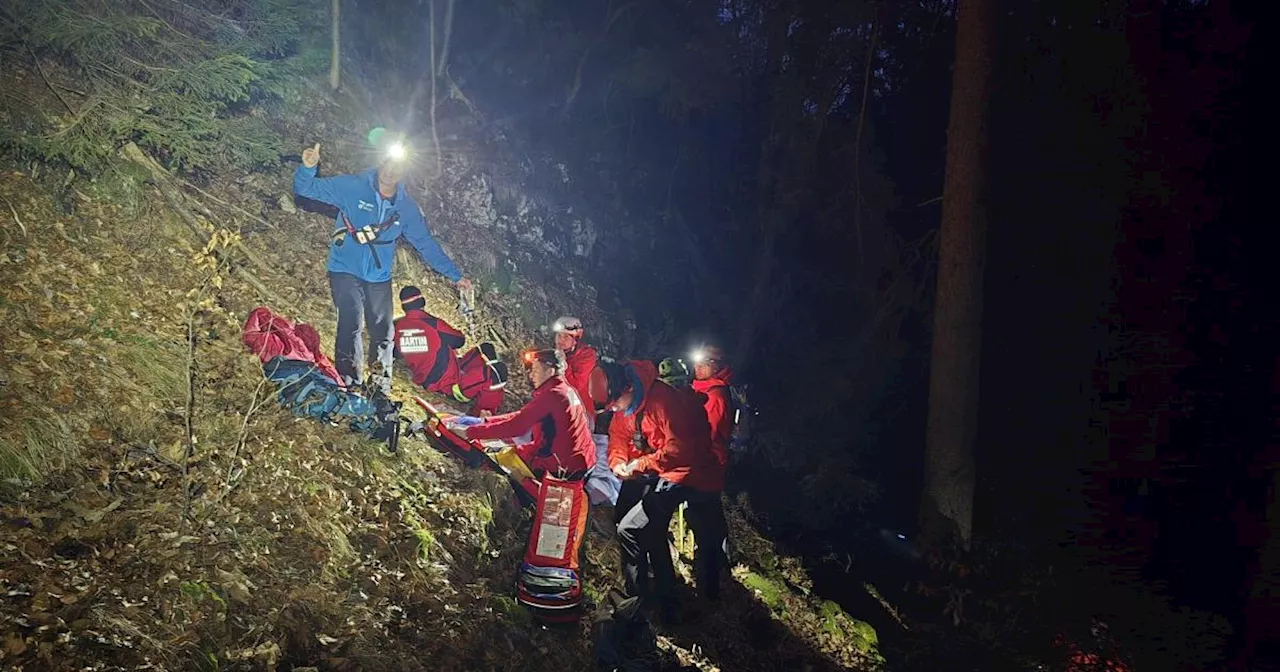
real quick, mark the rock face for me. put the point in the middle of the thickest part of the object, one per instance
(514, 223)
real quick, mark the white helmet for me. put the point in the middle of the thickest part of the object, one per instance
(568, 325)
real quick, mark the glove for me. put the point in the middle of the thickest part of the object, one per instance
(625, 470)
(366, 235)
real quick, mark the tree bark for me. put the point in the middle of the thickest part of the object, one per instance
(946, 512)
(334, 61)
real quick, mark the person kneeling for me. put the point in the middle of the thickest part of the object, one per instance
(428, 345)
(561, 444)
(560, 454)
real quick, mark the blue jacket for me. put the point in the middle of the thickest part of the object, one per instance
(357, 196)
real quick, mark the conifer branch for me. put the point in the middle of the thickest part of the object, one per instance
(45, 76)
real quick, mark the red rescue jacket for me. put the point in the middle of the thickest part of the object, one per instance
(582, 361)
(269, 335)
(676, 434)
(719, 407)
(561, 431)
(427, 344)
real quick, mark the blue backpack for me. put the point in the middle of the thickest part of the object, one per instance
(307, 392)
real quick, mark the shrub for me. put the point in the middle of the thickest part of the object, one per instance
(183, 82)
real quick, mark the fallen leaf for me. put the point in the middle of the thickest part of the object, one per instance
(14, 645)
(95, 516)
(65, 396)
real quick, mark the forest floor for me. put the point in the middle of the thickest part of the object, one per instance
(279, 543)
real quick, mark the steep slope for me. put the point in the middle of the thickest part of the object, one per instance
(160, 510)
(281, 541)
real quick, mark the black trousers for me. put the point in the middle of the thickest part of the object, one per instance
(710, 533)
(629, 495)
(362, 305)
(642, 531)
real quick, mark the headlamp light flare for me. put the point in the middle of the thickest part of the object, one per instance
(396, 151)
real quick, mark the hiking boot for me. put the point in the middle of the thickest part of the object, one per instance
(378, 384)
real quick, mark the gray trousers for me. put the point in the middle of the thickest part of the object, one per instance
(362, 305)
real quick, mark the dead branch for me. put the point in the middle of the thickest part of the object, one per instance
(254, 404)
(435, 135)
(857, 143)
(190, 437)
(611, 17)
(455, 93)
(448, 31)
(16, 218)
(48, 83)
(191, 390)
(223, 203)
(935, 199)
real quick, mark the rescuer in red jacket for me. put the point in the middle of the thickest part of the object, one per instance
(663, 432)
(712, 376)
(429, 345)
(580, 358)
(562, 444)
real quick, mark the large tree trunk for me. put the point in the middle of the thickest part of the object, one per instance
(947, 506)
(334, 69)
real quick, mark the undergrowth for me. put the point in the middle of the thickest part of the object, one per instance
(190, 83)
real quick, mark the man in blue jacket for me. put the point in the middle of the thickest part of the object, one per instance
(374, 211)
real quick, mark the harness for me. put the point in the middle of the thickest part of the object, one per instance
(339, 236)
(637, 437)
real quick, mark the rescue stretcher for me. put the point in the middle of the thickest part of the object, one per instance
(496, 455)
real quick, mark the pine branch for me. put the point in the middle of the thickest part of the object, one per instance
(163, 74)
(45, 76)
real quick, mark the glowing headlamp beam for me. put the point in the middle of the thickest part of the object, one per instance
(396, 152)
(697, 357)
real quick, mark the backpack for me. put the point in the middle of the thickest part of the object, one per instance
(743, 414)
(308, 392)
(549, 584)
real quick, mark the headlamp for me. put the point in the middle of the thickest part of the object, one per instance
(697, 357)
(396, 151)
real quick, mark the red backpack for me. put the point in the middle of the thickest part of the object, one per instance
(549, 584)
(269, 335)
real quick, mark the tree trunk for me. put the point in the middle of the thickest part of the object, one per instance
(334, 69)
(947, 508)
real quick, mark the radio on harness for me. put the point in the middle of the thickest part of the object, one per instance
(364, 236)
